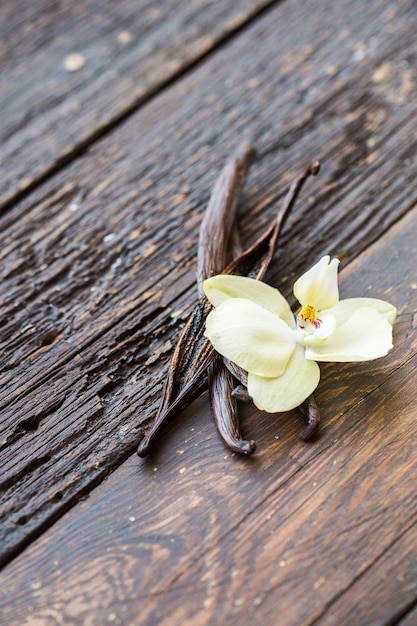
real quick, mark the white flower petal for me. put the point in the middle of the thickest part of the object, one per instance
(298, 382)
(318, 287)
(327, 326)
(224, 286)
(345, 309)
(325, 329)
(251, 336)
(366, 335)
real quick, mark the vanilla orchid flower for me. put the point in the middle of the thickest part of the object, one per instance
(253, 326)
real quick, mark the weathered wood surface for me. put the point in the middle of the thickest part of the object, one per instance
(98, 262)
(128, 51)
(98, 273)
(309, 534)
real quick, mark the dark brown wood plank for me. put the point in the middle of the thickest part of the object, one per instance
(197, 535)
(98, 264)
(127, 51)
(410, 617)
(386, 588)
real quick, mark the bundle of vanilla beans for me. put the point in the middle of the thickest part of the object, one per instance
(195, 363)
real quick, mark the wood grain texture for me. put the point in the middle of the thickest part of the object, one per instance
(312, 534)
(98, 263)
(410, 617)
(130, 50)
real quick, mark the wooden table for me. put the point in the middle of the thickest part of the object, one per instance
(117, 117)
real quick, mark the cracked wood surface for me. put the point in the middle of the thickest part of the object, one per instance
(322, 533)
(98, 274)
(128, 50)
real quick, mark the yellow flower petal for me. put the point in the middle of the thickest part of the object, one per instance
(224, 286)
(251, 336)
(288, 391)
(365, 336)
(318, 287)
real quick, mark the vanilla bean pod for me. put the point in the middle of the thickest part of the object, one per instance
(190, 364)
(218, 233)
(224, 407)
(310, 409)
(255, 261)
(238, 373)
(220, 243)
(194, 354)
(241, 393)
